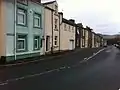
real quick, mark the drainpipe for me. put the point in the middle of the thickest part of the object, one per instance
(44, 36)
(52, 33)
(59, 32)
(15, 29)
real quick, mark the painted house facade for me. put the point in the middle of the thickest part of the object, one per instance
(78, 35)
(52, 27)
(67, 34)
(86, 37)
(23, 29)
(89, 37)
(93, 40)
(83, 38)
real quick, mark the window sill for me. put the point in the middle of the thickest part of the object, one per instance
(22, 25)
(55, 29)
(37, 27)
(22, 3)
(36, 49)
(19, 51)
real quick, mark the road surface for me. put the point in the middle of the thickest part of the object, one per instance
(101, 72)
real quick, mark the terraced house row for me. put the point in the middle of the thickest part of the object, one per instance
(29, 28)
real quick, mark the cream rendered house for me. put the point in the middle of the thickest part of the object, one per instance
(52, 27)
(86, 38)
(93, 40)
(67, 34)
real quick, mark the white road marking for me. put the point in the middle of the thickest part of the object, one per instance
(62, 67)
(25, 77)
(46, 72)
(108, 51)
(2, 84)
(94, 54)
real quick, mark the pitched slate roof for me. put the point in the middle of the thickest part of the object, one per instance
(68, 22)
(48, 2)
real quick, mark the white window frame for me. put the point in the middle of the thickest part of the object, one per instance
(56, 22)
(65, 26)
(56, 9)
(24, 43)
(23, 1)
(73, 29)
(36, 39)
(37, 16)
(69, 28)
(21, 12)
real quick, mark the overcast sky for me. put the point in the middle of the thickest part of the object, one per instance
(101, 15)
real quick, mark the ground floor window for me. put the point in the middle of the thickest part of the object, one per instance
(36, 42)
(56, 40)
(83, 42)
(21, 42)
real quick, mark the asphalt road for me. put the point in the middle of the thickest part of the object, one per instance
(102, 72)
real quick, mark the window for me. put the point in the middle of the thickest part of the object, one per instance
(56, 38)
(56, 20)
(72, 28)
(56, 8)
(21, 42)
(69, 28)
(36, 43)
(78, 31)
(37, 1)
(21, 16)
(37, 20)
(23, 1)
(65, 27)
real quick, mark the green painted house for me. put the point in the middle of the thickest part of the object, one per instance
(24, 28)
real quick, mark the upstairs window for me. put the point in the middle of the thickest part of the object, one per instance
(37, 20)
(65, 27)
(56, 9)
(56, 21)
(23, 1)
(69, 28)
(21, 16)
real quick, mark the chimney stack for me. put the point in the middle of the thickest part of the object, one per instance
(72, 20)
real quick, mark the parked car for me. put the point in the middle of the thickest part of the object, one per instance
(117, 45)
(105, 45)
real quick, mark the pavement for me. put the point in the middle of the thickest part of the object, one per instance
(96, 69)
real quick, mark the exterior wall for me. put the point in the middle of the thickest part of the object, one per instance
(48, 26)
(66, 36)
(56, 32)
(83, 38)
(89, 39)
(50, 17)
(93, 44)
(78, 37)
(2, 29)
(29, 30)
(86, 38)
